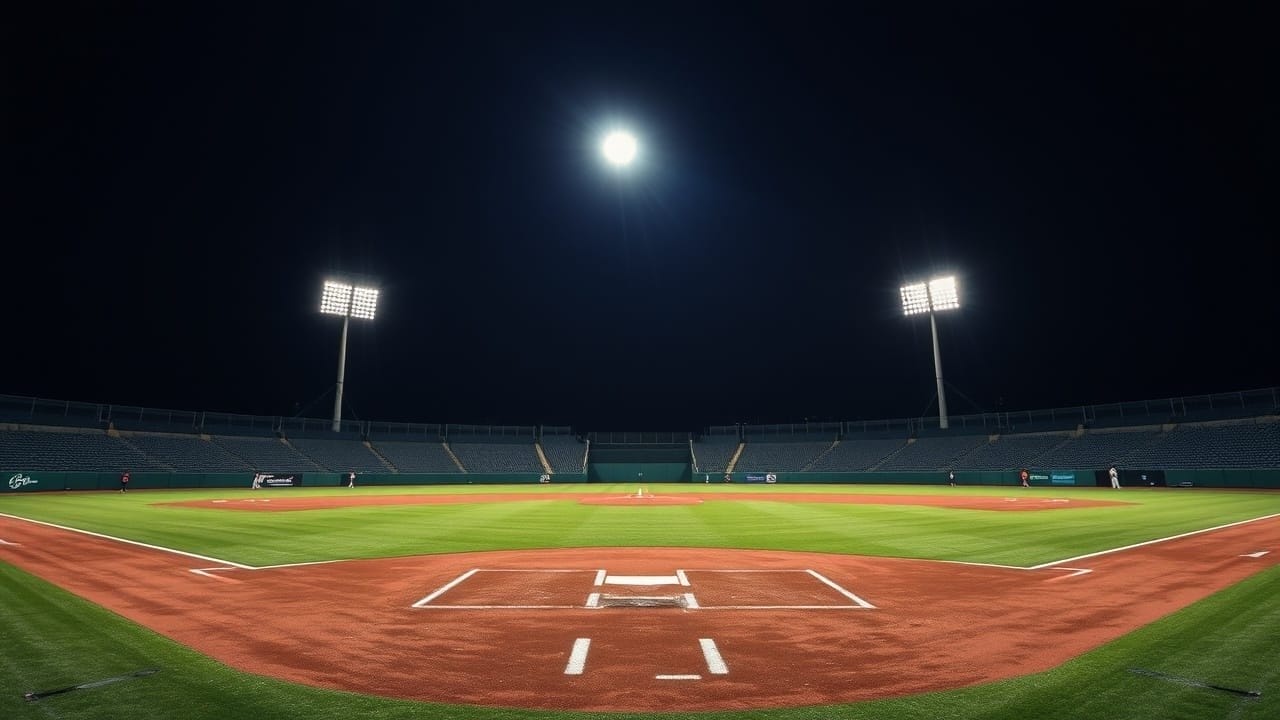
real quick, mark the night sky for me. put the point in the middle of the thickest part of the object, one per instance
(179, 180)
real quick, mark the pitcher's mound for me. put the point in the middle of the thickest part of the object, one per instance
(642, 500)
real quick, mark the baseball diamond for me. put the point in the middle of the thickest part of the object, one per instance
(640, 629)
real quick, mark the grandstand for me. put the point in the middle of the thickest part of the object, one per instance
(266, 454)
(858, 454)
(416, 457)
(497, 457)
(932, 453)
(713, 452)
(1245, 444)
(566, 453)
(1010, 452)
(340, 455)
(1099, 448)
(185, 453)
(780, 456)
(67, 449)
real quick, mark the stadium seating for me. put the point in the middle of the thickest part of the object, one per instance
(1236, 445)
(416, 457)
(1098, 449)
(566, 453)
(779, 456)
(497, 457)
(189, 453)
(933, 453)
(1011, 452)
(339, 455)
(31, 449)
(266, 454)
(714, 452)
(857, 454)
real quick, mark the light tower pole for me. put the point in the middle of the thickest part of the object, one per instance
(937, 294)
(349, 301)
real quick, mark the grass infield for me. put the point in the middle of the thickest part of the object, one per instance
(51, 639)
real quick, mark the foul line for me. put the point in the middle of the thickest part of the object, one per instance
(1151, 542)
(451, 585)
(861, 603)
(131, 542)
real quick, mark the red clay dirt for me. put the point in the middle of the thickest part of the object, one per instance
(351, 625)
(283, 502)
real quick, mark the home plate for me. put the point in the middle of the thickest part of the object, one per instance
(641, 580)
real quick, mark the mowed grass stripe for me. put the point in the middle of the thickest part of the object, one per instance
(1014, 538)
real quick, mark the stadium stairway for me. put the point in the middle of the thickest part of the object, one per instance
(135, 448)
(381, 458)
(448, 450)
(811, 463)
(892, 455)
(542, 458)
(733, 461)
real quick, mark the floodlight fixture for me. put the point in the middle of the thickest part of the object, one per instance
(349, 301)
(938, 294)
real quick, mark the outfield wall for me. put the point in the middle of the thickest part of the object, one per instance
(35, 481)
(39, 480)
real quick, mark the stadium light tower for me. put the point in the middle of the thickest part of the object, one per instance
(937, 294)
(349, 301)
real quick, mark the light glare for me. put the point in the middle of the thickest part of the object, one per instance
(336, 298)
(619, 148)
(943, 293)
(342, 299)
(915, 299)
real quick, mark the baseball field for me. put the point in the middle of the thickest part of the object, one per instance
(723, 602)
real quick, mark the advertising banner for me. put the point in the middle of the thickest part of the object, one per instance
(275, 480)
(756, 478)
(21, 481)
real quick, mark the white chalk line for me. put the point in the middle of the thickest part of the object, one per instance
(578, 657)
(446, 588)
(244, 566)
(677, 677)
(715, 663)
(859, 601)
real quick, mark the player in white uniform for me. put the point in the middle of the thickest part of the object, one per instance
(1115, 477)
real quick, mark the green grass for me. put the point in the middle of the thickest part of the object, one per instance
(50, 638)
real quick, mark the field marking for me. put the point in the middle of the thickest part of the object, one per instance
(677, 677)
(599, 578)
(1258, 554)
(1152, 542)
(1074, 572)
(842, 591)
(593, 600)
(205, 572)
(131, 542)
(691, 602)
(683, 580)
(6, 542)
(715, 663)
(452, 584)
(642, 580)
(578, 657)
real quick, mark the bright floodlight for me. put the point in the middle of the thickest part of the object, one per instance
(365, 303)
(937, 294)
(342, 299)
(619, 148)
(943, 294)
(336, 298)
(915, 299)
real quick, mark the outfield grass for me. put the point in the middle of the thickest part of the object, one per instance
(51, 639)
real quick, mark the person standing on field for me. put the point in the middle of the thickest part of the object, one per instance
(1115, 477)
(951, 477)
(1025, 476)
(124, 481)
(351, 479)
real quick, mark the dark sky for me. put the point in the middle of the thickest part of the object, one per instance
(178, 179)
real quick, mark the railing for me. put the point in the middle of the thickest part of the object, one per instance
(1191, 408)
